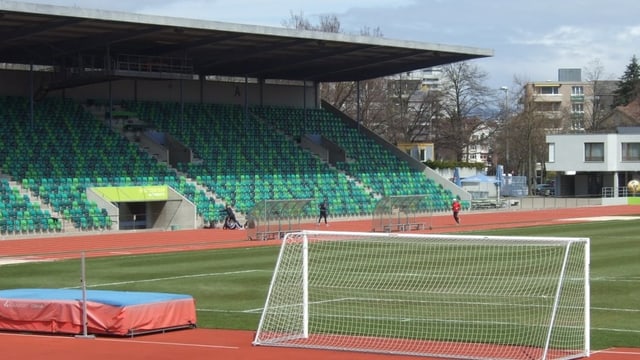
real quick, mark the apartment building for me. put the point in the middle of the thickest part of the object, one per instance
(572, 104)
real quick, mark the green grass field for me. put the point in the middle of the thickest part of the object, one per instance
(230, 285)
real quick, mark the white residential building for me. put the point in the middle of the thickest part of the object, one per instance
(479, 149)
(594, 165)
(429, 78)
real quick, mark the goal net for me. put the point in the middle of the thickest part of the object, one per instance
(456, 296)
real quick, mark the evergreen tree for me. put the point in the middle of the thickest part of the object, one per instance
(629, 85)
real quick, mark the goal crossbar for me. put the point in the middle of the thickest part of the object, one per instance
(455, 296)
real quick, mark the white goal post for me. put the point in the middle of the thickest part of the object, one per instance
(455, 296)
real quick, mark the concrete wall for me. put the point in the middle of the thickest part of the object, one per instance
(177, 213)
(24, 83)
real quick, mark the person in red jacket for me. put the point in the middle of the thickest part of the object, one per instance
(455, 207)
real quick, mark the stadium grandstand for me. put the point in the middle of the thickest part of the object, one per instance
(117, 121)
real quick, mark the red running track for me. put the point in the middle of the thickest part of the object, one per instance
(232, 344)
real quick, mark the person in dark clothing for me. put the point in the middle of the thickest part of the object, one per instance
(323, 212)
(230, 214)
(230, 221)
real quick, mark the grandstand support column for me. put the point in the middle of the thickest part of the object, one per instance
(181, 105)
(246, 101)
(201, 78)
(109, 69)
(107, 60)
(31, 87)
(110, 95)
(358, 115)
(304, 95)
(261, 91)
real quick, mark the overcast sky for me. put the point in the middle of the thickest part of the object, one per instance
(531, 39)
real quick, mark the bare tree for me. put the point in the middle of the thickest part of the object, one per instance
(373, 114)
(602, 98)
(410, 111)
(422, 111)
(375, 32)
(328, 23)
(463, 102)
(528, 134)
(398, 111)
(340, 94)
(365, 100)
(525, 132)
(297, 21)
(367, 107)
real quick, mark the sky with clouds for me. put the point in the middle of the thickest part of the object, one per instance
(531, 39)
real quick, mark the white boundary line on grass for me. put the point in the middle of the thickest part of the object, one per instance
(169, 278)
(617, 330)
(614, 351)
(614, 309)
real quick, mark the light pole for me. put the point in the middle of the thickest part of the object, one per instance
(506, 125)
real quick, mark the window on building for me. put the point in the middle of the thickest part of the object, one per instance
(577, 90)
(548, 106)
(594, 152)
(577, 121)
(552, 152)
(577, 107)
(547, 90)
(630, 151)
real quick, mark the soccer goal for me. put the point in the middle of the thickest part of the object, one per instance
(455, 296)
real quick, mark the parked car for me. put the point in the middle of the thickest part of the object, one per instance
(545, 190)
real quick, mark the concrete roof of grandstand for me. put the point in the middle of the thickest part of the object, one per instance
(48, 35)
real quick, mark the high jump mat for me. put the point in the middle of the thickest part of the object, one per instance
(119, 313)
